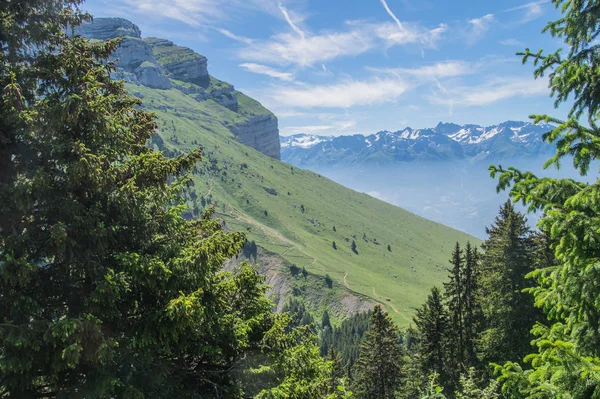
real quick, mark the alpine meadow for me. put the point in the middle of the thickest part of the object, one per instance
(164, 234)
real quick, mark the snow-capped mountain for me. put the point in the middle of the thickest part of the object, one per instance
(447, 141)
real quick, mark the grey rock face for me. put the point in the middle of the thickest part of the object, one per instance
(151, 75)
(108, 28)
(226, 97)
(261, 133)
(132, 53)
(153, 62)
(183, 63)
(193, 70)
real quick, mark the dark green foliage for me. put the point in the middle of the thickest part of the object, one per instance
(389, 248)
(328, 281)
(295, 270)
(295, 366)
(454, 297)
(325, 323)
(472, 312)
(298, 312)
(334, 245)
(334, 228)
(346, 338)
(509, 311)
(432, 336)
(353, 247)
(377, 372)
(567, 360)
(462, 295)
(106, 291)
(250, 250)
(302, 208)
(266, 213)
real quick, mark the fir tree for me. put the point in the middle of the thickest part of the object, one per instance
(509, 312)
(325, 322)
(472, 316)
(105, 290)
(454, 296)
(432, 332)
(353, 247)
(378, 368)
(567, 360)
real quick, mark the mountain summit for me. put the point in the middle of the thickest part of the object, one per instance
(160, 64)
(446, 141)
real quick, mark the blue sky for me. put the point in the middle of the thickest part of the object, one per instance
(335, 67)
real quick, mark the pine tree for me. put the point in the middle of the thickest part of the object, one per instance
(105, 289)
(432, 332)
(473, 316)
(353, 247)
(454, 296)
(509, 312)
(334, 245)
(377, 370)
(567, 360)
(325, 322)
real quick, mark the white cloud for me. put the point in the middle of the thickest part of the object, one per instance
(435, 71)
(409, 34)
(387, 9)
(197, 12)
(310, 50)
(265, 70)
(478, 27)
(493, 91)
(337, 127)
(289, 130)
(233, 36)
(532, 10)
(342, 95)
(291, 23)
(288, 48)
(512, 42)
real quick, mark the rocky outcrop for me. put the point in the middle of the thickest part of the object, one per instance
(108, 28)
(260, 132)
(132, 53)
(151, 75)
(223, 93)
(161, 64)
(181, 62)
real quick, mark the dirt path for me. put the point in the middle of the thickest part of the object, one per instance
(346, 282)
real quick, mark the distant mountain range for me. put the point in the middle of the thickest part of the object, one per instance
(447, 141)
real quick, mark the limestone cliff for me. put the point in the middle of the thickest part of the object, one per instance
(161, 64)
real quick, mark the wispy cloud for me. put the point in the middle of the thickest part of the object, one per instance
(341, 95)
(197, 12)
(315, 49)
(391, 14)
(291, 23)
(337, 127)
(235, 37)
(478, 27)
(512, 42)
(265, 70)
(532, 10)
(490, 92)
(438, 70)
(286, 48)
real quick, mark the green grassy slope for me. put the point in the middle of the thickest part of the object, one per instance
(241, 182)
